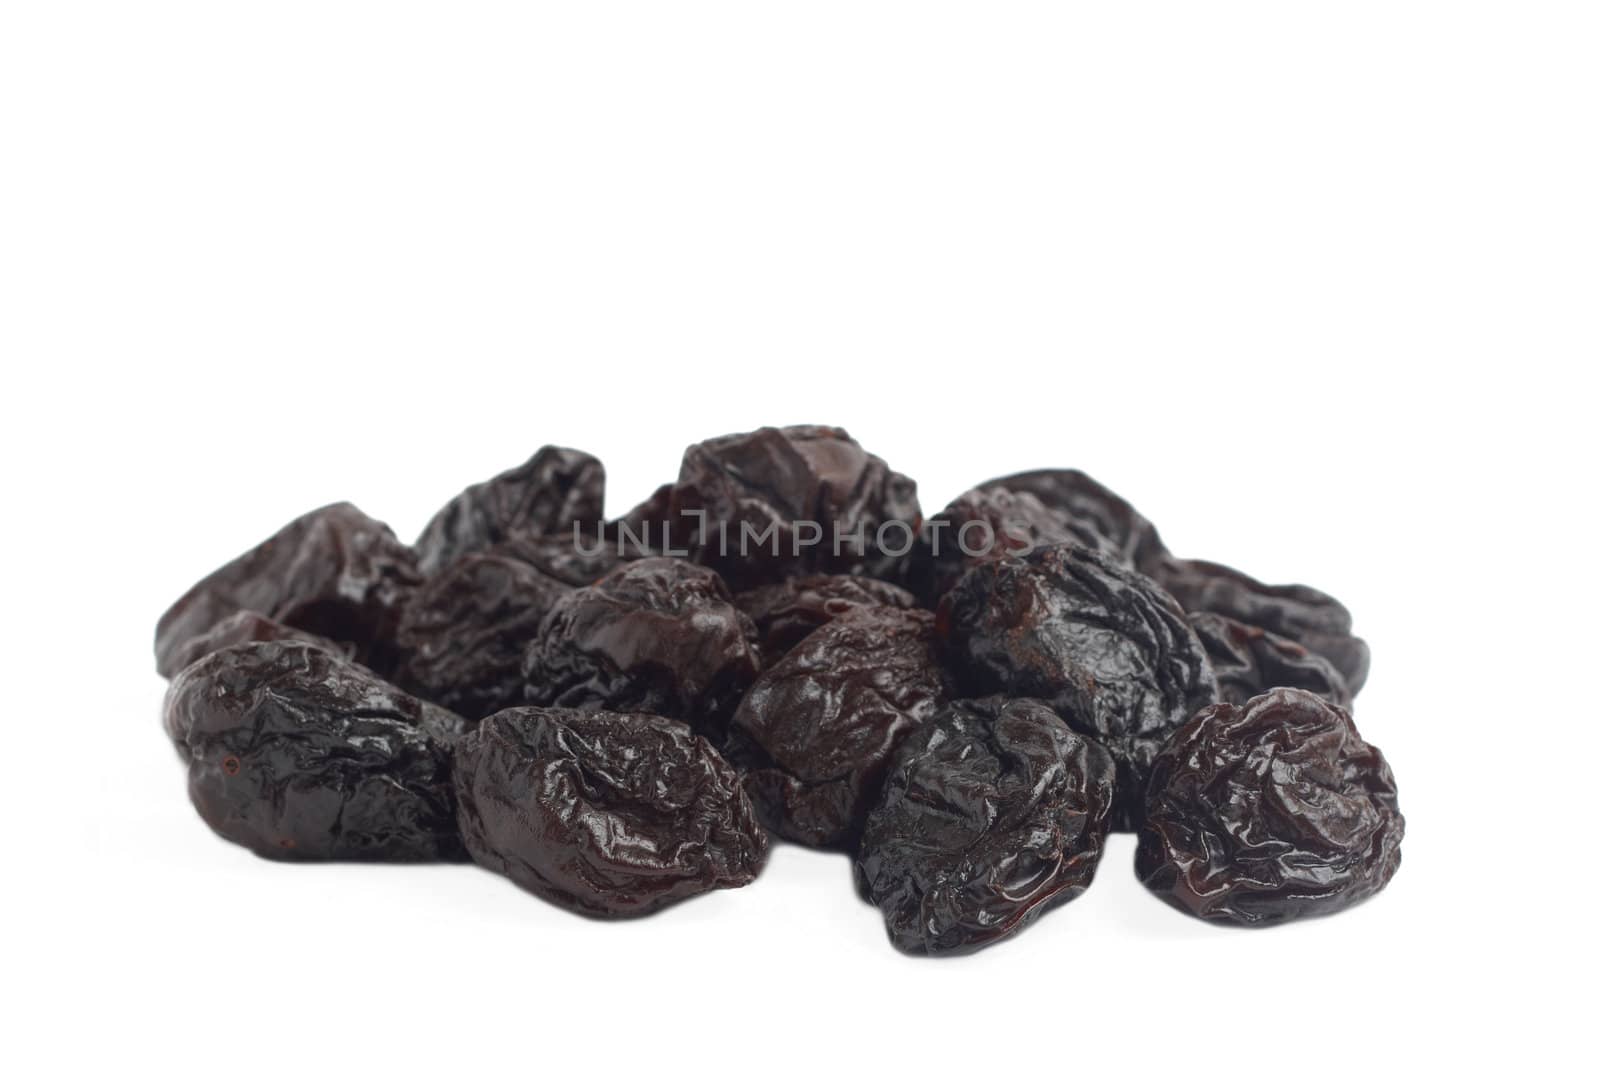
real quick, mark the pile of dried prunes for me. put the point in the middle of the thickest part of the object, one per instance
(616, 714)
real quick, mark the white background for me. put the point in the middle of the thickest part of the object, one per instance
(1314, 286)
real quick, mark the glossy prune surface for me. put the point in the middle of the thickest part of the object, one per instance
(1081, 499)
(1249, 660)
(1100, 643)
(658, 635)
(463, 634)
(243, 628)
(604, 813)
(994, 811)
(816, 730)
(555, 489)
(334, 572)
(787, 612)
(297, 754)
(1267, 811)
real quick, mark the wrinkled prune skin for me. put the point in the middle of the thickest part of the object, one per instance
(658, 635)
(243, 628)
(1304, 615)
(605, 813)
(297, 754)
(1249, 660)
(994, 811)
(554, 489)
(333, 572)
(463, 634)
(776, 479)
(816, 730)
(572, 560)
(1100, 643)
(1083, 500)
(787, 612)
(1269, 811)
(985, 524)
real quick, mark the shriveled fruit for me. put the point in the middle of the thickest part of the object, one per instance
(606, 813)
(1249, 660)
(297, 754)
(994, 811)
(816, 730)
(242, 628)
(787, 612)
(1081, 499)
(1267, 811)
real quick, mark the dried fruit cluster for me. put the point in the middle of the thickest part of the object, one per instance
(615, 715)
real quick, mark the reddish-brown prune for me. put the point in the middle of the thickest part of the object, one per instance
(985, 524)
(1267, 811)
(555, 489)
(759, 506)
(463, 634)
(1100, 643)
(333, 572)
(606, 813)
(297, 754)
(1304, 615)
(787, 612)
(243, 628)
(816, 730)
(1249, 660)
(1081, 499)
(658, 635)
(994, 811)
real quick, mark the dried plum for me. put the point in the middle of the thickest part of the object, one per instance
(333, 572)
(1249, 660)
(606, 813)
(245, 627)
(1081, 499)
(463, 634)
(659, 635)
(1267, 811)
(816, 730)
(787, 612)
(550, 493)
(812, 499)
(1100, 643)
(994, 811)
(297, 754)
(1304, 615)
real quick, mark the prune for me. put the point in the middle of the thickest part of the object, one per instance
(333, 572)
(245, 627)
(463, 634)
(605, 813)
(815, 732)
(1100, 643)
(659, 635)
(1084, 500)
(994, 811)
(799, 500)
(787, 612)
(1268, 811)
(1249, 660)
(555, 489)
(572, 560)
(985, 524)
(298, 754)
(1302, 614)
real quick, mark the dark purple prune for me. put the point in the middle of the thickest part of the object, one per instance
(985, 524)
(463, 634)
(552, 491)
(1268, 811)
(789, 611)
(297, 754)
(658, 635)
(1083, 500)
(757, 507)
(1302, 614)
(568, 559)
(1249, 660)
(1100, 643)
(606, 813)
(333, 572)
(243, 628)
(994, 812)
(816, 730)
